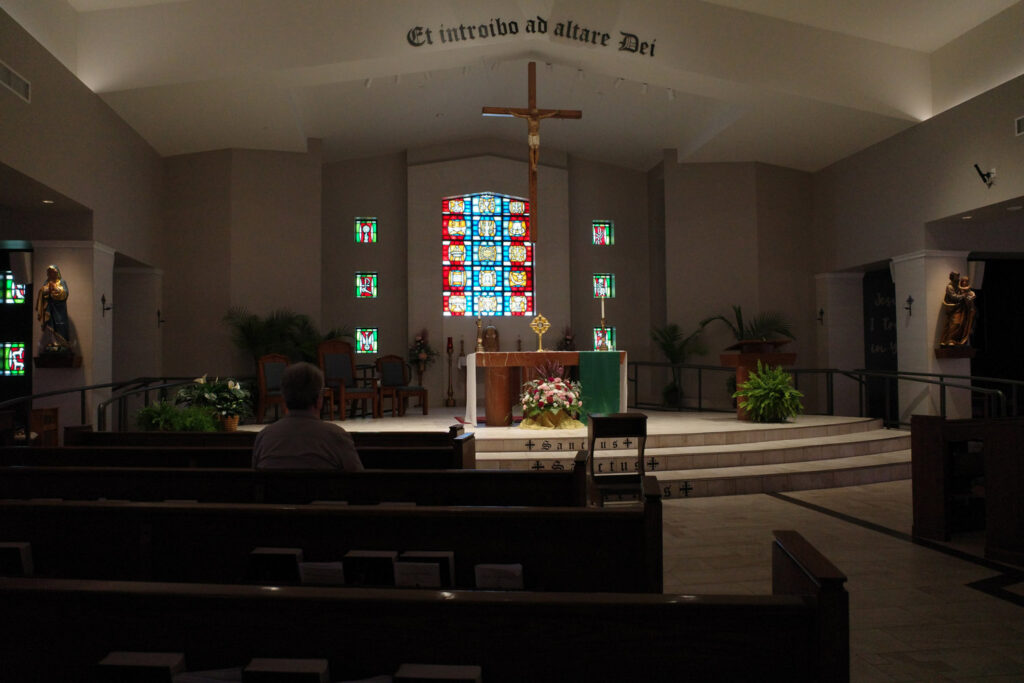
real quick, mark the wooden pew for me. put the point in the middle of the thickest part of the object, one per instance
(560, 548)
(56, 629)
(940, 456)
(459, 453)
(222, 485)
(77, 436)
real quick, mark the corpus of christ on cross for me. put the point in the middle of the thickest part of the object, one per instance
(533, 117)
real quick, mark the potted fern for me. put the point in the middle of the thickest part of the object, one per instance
(768, 395)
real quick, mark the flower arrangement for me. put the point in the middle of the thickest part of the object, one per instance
(225, 397)
(420, 350)
(551, 394)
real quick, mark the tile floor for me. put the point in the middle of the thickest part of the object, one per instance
(913, 616)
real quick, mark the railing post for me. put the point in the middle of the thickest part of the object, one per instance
(942, 396)
(830, 387)
(81, 399)
(700, 389)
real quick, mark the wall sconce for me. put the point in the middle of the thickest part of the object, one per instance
(821, 316)
(910, 305)
(103, 305)
(159, 318)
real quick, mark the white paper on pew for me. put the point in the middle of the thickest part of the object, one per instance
(322, 573)
(499, 576)
(418, 574)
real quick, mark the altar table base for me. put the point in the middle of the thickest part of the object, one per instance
(501, 382)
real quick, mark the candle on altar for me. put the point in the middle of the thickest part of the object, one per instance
(602, 308)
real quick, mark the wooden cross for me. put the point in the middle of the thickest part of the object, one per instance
(533, 117)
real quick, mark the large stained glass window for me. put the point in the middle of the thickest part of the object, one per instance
(366, 285)
(604, 285)
(604, 233)
(366, 231)
(13, 362)
(486, 255)
(366, 340)
(11, 291)
(609, 333)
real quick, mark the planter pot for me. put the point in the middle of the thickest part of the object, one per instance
(229, 423)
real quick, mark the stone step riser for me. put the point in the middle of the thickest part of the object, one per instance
(779, 483)
(685, 461)
(547, 442)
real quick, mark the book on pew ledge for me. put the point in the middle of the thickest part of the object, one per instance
(233, 675)
(499, 576)
(275, 564)
(370, 567)
(322, 573)
(425, 569)
(281, 670)
(438, 673)
(140, 666)
(16, 559)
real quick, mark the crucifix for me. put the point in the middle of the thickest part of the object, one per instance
(533, 117)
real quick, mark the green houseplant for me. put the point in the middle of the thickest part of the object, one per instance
(164, 416)
(764, 326)
(768, 395)
(676, 347)
(281, 331)
(227, 399)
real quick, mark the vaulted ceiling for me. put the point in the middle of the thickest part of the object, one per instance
(798, 83)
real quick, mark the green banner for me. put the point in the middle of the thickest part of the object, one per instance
(599, 375)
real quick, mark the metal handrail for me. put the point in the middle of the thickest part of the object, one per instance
(101, 409)
(997, 398)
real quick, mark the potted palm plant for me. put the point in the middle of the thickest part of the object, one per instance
(760, 334)
(757, 340)
(676, 347)
(281, 331)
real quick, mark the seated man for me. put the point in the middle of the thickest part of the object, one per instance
(300, 440)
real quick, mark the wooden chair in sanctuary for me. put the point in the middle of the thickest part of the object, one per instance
(393, 373)
(270, 368)
(338, 361)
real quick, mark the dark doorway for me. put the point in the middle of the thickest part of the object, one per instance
(880, 343)
(999, 327)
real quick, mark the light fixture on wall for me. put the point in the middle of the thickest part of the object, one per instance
(103, 305)
(159, 318)
(988, 178)
(821, 316)
(910, 306)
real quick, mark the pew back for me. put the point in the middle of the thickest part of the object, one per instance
(227, 485)
(459, 453)
(560, 548)
(520, 636)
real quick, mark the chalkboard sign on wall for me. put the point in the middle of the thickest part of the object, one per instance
(880, 341)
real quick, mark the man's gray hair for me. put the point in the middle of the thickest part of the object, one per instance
(301, 384)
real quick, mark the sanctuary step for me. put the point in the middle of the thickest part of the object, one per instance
(724, 456)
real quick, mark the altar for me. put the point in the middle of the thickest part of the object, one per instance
(502, 381)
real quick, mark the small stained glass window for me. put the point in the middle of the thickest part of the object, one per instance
(599, 335)
(366, 285)
(11, 291)
(366, 340)
(604, 285)
(13, 359)
(604, 233)
(366, 231)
